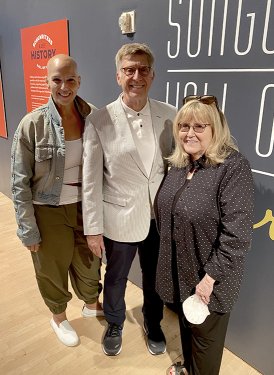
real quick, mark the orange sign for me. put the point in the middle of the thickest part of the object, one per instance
(39, 44)
(3, 126)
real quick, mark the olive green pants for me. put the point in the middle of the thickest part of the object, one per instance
(64, 251)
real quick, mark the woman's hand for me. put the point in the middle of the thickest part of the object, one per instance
(205, 288)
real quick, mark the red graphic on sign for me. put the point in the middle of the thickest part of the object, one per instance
(3, 125)
(39, 44)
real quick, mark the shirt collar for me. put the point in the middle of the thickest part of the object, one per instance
(145, 111)
(198, 164)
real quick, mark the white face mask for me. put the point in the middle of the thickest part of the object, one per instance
(195, 309)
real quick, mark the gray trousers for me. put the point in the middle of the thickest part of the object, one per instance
(64, 251)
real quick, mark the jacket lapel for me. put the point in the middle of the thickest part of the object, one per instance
(157, 129)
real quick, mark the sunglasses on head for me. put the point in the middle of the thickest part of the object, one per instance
(205, 99)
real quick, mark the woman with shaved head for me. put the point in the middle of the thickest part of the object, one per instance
(46, 191)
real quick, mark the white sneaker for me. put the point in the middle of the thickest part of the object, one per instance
(91, 313)
(65, 333)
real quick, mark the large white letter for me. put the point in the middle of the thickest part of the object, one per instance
(267, 13)
(252, 16)
(211, 27)
(174, 24)
(224, 28)
(189, 29)
(260, 126)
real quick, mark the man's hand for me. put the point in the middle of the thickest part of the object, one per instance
(34, 248)
(96, 244)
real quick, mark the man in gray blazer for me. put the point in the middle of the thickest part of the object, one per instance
(125, 146)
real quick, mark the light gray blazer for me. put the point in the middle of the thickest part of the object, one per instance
(117, 192)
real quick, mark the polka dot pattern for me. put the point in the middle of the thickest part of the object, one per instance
(212, 229)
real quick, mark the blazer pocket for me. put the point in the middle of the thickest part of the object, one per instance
(114, 200)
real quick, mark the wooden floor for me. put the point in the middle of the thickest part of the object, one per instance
(29, 346)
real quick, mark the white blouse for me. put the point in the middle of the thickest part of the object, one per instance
(73, 172)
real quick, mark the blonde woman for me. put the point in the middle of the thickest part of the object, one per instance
(204, 211)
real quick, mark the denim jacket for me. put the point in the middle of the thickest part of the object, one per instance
(37, 164)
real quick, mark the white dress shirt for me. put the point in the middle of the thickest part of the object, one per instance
(143, 134)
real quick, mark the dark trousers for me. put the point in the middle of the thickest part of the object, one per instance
(203, 344)
(120, 256)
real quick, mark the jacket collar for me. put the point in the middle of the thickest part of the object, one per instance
(81, 105)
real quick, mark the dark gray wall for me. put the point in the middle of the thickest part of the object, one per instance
(228, 52)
